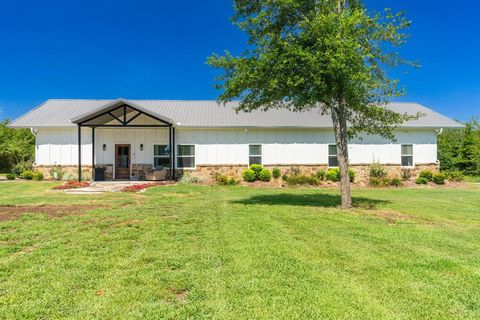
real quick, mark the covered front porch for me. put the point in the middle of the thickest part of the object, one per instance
(128, 143)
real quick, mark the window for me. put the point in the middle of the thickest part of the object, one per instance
(161, 155)
(254, 154)
(407, 155)
(186, 156)
(332, 155)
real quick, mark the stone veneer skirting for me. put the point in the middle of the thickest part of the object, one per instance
(207, 172)
(361, 170)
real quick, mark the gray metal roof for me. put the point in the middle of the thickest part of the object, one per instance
(189, 113)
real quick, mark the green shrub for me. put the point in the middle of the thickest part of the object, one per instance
(421, 180)
(333, 175)
(189, 178)
(56, 173)
(427, 174)
(406, 174)
(11, 176)
(352, 175)
(249, 175)
(20, 167)
(223, 180)
(265, 175)
(295, 179)
(276, 173)
(396, 182)
(378, 182)
(321, 174)
(27, 175)
(313, 180)
(455, 176)
(439, 178)
(377, 171)
(256, 168)
(37, 176)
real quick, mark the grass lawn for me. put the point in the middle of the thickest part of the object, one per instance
(475, 179)
(239, 253)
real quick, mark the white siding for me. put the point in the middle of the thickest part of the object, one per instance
(230, 146)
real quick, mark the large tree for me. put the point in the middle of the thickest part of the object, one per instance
(329, 55)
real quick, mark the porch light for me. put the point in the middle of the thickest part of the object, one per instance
(141, 147)
(104, 147)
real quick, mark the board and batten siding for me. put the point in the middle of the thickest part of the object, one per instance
(230, 146)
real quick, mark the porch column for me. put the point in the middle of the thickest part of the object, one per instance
(170, 145)
(173, 154)
(79, 153)
(93, 153)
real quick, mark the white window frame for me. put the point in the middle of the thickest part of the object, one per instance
(406, 155)
(255, 155)
(186, 156)
(161, 156)
(331, 155)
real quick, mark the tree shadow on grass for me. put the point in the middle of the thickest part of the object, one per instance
(309, 200)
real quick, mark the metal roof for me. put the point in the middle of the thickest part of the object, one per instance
(208, 113)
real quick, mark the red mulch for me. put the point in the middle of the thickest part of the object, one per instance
(72, 185)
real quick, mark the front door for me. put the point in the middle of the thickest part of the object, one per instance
(122, 161)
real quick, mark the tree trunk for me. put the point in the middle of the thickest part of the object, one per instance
(341, 139)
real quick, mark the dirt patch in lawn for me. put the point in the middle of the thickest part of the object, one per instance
(180, 295)
(14, 212)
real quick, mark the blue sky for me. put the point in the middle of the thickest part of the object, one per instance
(157, 49)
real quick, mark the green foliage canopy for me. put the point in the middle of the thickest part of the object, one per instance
(16, 145)
(325, 54)
(460, 149)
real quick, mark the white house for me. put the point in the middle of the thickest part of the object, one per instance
(130, 138)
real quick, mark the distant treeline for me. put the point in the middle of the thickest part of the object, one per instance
(16, 146)
(460, 149)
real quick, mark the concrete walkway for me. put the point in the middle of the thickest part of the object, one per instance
(98, 187)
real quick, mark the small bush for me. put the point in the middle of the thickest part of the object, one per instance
(321, 174)
(427, 174)
(189, 178)
(37, 176)
(27, 175)
(439, 178)
(377, 171)
(396, 182)
(455, 176)
(276, 173)
(249, 175)
(56, 172)
(295, 179)
(20, 167)
(352, 175)
(11, 176)
(378, 182)
(333, 175)
(256, 168)
(265, 175)
(406, 174)
(223, 180)
(421, 180)
(313, 180)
